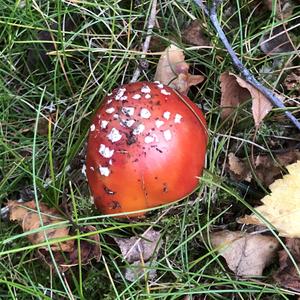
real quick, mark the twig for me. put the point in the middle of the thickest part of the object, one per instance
(212, 14)
(151, 23)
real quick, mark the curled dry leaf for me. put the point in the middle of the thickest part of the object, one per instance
(232, 95)
(236, 90)
(245, 254)
(287, 274)
(89, 249)
(172, 70)
(27, 216)
(140, 253)
(282, 207)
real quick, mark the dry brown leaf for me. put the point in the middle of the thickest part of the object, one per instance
(235, 91)
(194, 35)
(260, 104)
(292, 83)
(27, 216)
(140, 253)
(245, 254)
(232, 95)
(267, 168)
(239, 168)
(287, 274)
(282, 207)
(172, 70)
(89, 249)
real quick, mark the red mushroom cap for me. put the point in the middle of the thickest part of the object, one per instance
(146, 147)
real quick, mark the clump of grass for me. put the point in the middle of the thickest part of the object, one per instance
(97, 47)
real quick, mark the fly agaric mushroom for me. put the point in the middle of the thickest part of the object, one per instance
(146, 147)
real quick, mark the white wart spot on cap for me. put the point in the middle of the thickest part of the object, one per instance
(136, 97)
(105, 171)
(109, 94)
(168, 135)
(128, 111)
(164, 92)
(110, 161)
(147, 96)
(116, 116)
(139, 129)
(177, 118)
(110, 110)
(109, 101)
(159, 123)
(149, 139)
(104, 124)
(167, 115)
(120, 93)
(92, 169)
(159, 84)
(145, 113)
(106, 152)
(93, 127)
(114, 135)
(145, 89)
(127, 123)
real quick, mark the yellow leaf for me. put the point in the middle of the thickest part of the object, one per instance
(282, 207)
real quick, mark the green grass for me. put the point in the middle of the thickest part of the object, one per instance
(96, 53)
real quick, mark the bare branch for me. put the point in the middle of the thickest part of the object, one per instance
(151, 23)
(212, 14)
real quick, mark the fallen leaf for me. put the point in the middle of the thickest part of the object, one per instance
(236, 90)
(292, 83)
(232, 95)
(194, 34)
(66, 253)
(267, 168)
(282, 207)
(260, 104)
(240, 169)
(287, 274)
(140, 253)
(89, 249)
(245, 254)
(172, 70)
(27, 216)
